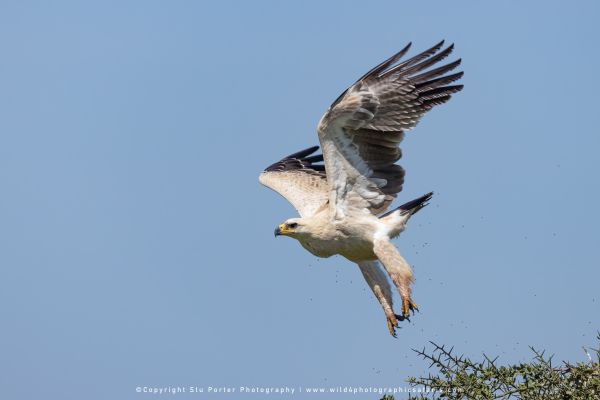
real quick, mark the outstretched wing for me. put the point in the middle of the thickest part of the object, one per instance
(300, 179)
(361, 132)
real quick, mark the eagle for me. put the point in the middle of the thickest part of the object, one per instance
(343, 194)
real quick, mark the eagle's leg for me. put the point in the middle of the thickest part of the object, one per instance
(380, 286)
(399, 271)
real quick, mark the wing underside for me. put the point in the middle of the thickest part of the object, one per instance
(361, 132)
(300, 179)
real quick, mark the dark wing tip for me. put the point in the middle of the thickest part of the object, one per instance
(298, 161)
(375, 71)
(314, 159)
(424, 77)
(419, 62)
(303, 153)
(382, 66)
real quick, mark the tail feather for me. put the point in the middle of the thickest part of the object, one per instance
(412, 206)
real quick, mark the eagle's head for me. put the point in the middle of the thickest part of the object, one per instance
(293, 227)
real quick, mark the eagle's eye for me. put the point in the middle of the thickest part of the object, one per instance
(293, 225)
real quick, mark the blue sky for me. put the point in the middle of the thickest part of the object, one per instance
(136, 244)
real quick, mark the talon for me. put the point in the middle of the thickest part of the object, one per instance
(402, 318)
(392, 324)
(407, 306)
(414, 306)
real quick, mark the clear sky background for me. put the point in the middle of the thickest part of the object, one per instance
(136, 244)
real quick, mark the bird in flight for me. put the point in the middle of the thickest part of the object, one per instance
(342, 195)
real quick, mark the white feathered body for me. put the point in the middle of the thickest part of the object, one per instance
(342, 200)
(325, 237)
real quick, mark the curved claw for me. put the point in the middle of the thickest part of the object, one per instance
(402, 318)
(392, 320)
(407, 306)
(414, 307)
(392, 324)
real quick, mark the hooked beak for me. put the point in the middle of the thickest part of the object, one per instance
(282, 230)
